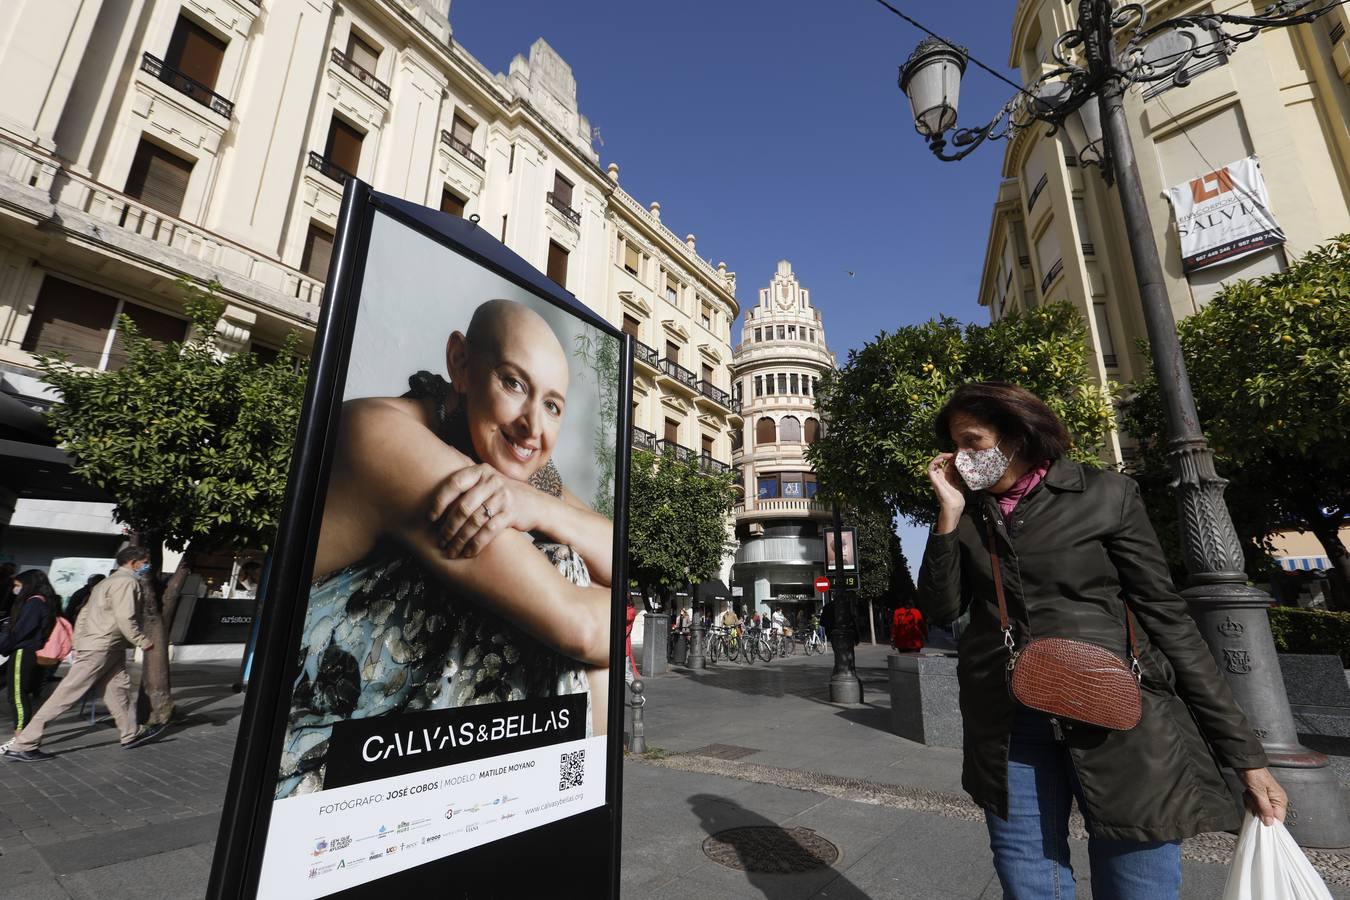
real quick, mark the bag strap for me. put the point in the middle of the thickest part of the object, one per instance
(1006, 627)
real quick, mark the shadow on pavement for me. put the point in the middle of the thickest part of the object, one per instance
(718, 814)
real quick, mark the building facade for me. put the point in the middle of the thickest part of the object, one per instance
(1058, 233)
(153, 140)
(778, 366)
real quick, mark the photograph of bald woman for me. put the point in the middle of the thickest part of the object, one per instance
(454, 567)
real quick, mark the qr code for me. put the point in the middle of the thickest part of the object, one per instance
(571, 770)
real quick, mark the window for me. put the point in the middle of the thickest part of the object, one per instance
(812, 430)
(1081, 220)
(793, 383)
(631, 326)
(451, 203)
(809, 485)
(790, 430)
(1169, 45)
(759, 335)
(557, 263)
(672, 351)
(707, 446)
(672, 291)
(562, 189)
(767, 488)
(792, 332)
(759, 385)
(782, 336)
(815, 386)
(343, 148)
(461, 129)
(630, 258)
(158, 178)
(82, 323)
(806, 386)
(782, 383)
(196, 53)
(766, 432)
(318, 251)
(1108, 345)
(791, 484)
(503, 237)
(361, 53)
(708, 374)
(707, 317)
(811, 335)
(672, 431)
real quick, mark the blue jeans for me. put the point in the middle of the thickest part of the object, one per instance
(1031, 847)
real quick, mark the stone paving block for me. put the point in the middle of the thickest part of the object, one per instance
(177, 874)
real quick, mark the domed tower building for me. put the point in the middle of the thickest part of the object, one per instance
(777, 369)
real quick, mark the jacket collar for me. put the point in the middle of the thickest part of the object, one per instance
(1065, 475)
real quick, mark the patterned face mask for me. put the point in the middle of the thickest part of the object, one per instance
(982, 468)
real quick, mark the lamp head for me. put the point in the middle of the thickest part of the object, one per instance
(931, 79)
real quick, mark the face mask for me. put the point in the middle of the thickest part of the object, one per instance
(982, 468)
(143, 569)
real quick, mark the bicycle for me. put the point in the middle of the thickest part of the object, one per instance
(814, 642)
(757, 645)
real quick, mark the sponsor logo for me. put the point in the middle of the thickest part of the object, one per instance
(341, 843)
(389, 851)
(449, 812)
(403, 826)
(429, 838)
(313, 873)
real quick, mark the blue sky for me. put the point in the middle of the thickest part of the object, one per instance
(776, 130)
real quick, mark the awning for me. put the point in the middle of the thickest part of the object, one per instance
(711, 590)
(19, 421)
(37, 472)
(1304, 563)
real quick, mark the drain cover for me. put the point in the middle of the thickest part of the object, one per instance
(723, 751)
(767, 848)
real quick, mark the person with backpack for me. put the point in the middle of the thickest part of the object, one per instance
(108, 625)
(32, 615)
(81, 597)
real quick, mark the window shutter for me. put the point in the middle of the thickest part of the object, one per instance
(557, 264)
(159, 327)
(195, 52)
(362, 53)
(451, 203)
(71, 319)
(344, 146)
(318, 253)
(158, 178)
(462, 131)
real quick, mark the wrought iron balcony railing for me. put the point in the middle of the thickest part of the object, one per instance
(328, 167)
(674, 370)
(713, 466)
(643, 440)
(681, 452)
(345, 62)
(462, 149)
(714, 393)
(568, 212)
(647, 355)
(181, 83)
(1050, 276)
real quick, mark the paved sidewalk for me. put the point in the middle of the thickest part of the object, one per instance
(732, 746)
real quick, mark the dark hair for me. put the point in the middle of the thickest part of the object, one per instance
(131, 554)
(1014, 412)
(34, 583)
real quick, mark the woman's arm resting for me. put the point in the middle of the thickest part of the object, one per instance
(1162, 614)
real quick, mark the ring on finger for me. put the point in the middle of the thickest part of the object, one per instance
(488, 510)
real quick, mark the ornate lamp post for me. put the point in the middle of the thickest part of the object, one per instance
(1083, 94)
(844, 684)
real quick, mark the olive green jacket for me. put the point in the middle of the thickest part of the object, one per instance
(1079, 546)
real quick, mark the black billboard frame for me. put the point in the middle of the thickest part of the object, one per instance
(478, 871)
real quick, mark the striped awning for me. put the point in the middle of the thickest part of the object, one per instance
(1304, 563)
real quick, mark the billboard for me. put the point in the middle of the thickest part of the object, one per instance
(436, 691)
(849, 540)
(1224, 215)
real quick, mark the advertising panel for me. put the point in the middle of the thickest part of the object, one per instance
(448, 677)
(1224, 215)
(849, 540)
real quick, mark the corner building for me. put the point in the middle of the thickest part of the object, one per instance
(146, 141)
(1058, 233)
(778, 366)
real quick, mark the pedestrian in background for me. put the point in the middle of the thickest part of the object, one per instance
(81, 597)
(1077, 556)
(108, 626)
(33, 610)
(908, 629)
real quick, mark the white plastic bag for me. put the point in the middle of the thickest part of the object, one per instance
(1268, 865)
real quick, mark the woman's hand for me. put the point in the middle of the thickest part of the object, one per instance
(1263, 796)
(942, 475)
(477, 503)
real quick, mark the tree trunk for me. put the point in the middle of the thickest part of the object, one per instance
(154, 704)
(1327, 530)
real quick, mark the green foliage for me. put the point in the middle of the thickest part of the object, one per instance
(879, 554)
(1269, 363)
(600, 354)
(1310, 631)
(880, 407)
(192, 443)
(677, 517)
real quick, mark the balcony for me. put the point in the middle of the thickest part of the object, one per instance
(674, 370)
(1036, 192)
(715, 394)
(462, 149)
(712, 466)
(328, 167)
(755, 507)
(561, 206)
(156, 68)
(646, 355)
(681, 452)
(344, 62)
(1051, 275)
(644, 440)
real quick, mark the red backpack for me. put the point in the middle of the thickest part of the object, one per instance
(59, 643)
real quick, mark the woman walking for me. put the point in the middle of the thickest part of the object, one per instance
(1077, 556)
(32, 614)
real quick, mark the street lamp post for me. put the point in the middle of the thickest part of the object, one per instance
(844, 684)
(1098, 61)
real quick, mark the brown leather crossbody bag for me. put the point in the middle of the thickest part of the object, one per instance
(1071, 680)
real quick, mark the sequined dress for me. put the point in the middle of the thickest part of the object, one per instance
(383, 636)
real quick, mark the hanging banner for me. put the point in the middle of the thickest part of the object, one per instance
(1224, 215)
(436, 686)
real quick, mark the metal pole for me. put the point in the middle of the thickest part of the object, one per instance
(844, 684)
(1230, 614)
(696, 660)
(637, 739)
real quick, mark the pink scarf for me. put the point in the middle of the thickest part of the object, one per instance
(1008, 500)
